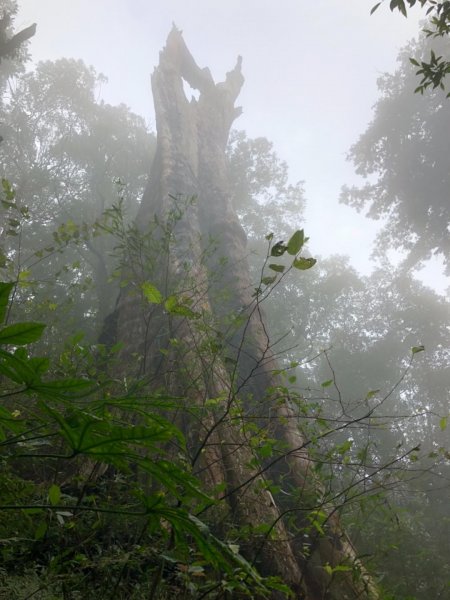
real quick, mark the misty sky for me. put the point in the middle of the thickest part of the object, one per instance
(310, 69)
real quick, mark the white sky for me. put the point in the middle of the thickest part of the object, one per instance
(310, 68)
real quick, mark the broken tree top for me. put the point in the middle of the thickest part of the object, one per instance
(192, 135)
(176, 57)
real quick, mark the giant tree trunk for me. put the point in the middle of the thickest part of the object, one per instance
(191, 162)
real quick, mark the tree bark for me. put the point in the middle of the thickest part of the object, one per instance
(190, 161)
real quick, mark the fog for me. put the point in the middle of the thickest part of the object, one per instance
(224, 316)
(310, 71)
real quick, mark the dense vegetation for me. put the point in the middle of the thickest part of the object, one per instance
(100, 492)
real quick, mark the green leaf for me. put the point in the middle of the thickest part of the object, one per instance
(269, 237)
(277, 268)
(174, 307)
(296, 242)
(15, 369)
(5, 292)
(74, 388)
(41, 530)
(39, 364)
(371, 394)
(345, 447)
(151, 293)
(266, 449)
(374, 8)
(402, 7)
(337, 569)
(303, 264)
(443, 423)
(414, 62)
(32, 511)
(278, 249)
(326, 383)
(416, 349)
(171, 303)
(184, 311)
(268, 280)
(24, 276)
(21, 333)
(7, 205)
(8, 190)
(317, 518)
(54, 494)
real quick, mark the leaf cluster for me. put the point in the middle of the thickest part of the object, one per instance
(434, 71)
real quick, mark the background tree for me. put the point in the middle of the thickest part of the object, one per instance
(367, 326)
(349, 333)
(351, 336)
(263, 196)
(404, 155)
(69, 158)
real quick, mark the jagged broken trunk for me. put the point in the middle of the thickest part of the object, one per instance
(212, 347)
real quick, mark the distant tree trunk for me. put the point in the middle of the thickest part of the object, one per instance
(190, 161)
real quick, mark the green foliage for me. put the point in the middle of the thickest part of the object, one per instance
(151, 293)
(21, 333)
(416, 349)
(74, 422)
(278, 250)
(296, 242)
(368, 327)
(304, 264)
(5, 292)
(433, 72)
